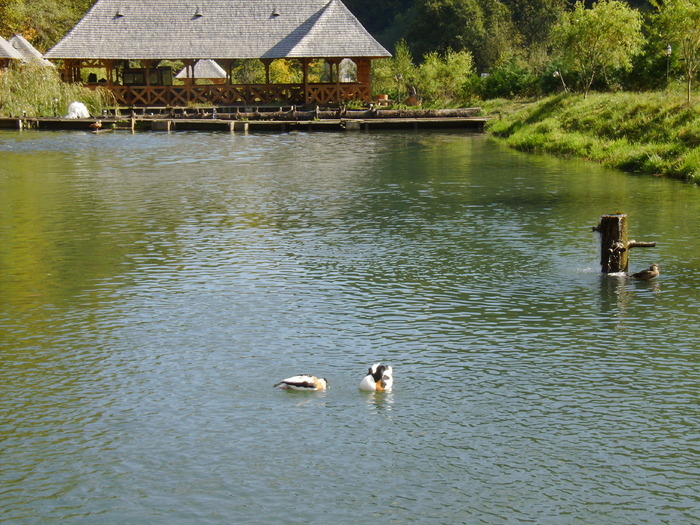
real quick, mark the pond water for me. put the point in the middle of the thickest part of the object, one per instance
(153, 288)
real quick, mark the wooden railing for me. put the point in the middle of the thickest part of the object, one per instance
(239, 94)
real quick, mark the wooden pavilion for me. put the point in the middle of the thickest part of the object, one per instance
(115, 34)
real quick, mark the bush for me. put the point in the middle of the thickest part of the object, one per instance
(509, 80)
(447, 80)
(394, 76)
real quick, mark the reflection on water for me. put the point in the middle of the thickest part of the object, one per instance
(154, 287)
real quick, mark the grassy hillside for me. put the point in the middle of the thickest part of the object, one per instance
(651, 133)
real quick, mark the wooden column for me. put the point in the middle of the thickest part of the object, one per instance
(107, 64)
(228, 65)
(189, 72)
(364, 70)
(148, 64)
(335, 64)
(364, 74)
(305, 69)
(266, 62)
(65, 73)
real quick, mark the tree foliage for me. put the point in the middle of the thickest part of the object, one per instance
(593, 41)
(441, 25)
(446, 79)
(42, 22)
(679, 24)
(441, 79)
(396, 75)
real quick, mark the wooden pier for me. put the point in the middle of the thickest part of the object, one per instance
(257, 121)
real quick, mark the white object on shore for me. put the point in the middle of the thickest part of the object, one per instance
(77, 110)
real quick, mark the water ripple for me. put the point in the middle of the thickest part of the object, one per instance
(155, 286)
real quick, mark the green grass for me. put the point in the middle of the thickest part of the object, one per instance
(652, 133)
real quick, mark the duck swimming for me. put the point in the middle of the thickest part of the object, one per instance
(303, 382)
(645, 275)
(379, 378)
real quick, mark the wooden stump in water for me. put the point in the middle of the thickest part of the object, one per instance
(613, 243)
(614, 246)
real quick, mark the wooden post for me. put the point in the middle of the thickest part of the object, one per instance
(305, 70)
(614, 246)
(335, 63)
(613, 243)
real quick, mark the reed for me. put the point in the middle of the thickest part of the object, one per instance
(38, 91)
(655, 133)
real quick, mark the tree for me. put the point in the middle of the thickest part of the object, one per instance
(445, 79)
(679, 23)
(42, 22)
(441, 25)
(501, 39)
(394, 75)
(377, 16)
(535, 18)
(592, 41)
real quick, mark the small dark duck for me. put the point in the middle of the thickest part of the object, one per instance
(303, 382)
(645, 275)
(379, 378)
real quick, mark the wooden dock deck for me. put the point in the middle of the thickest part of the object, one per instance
(234, 123)
(229, 125)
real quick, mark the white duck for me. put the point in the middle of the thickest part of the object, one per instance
(379, 378)
(303, 382)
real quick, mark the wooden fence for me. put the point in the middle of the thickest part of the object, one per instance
(239, 94)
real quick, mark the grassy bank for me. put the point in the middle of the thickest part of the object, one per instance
(650, 133)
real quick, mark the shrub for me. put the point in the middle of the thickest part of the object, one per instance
(508, 80)
(394, 76)
(446, 80)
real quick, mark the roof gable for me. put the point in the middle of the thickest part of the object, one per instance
(7, 51)
(204, 68)
(217, 29)
(29, 52)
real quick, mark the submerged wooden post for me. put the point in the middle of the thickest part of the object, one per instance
(613, 243)
(614, 246)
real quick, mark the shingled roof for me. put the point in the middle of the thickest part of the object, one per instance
(218, 29)
(9, 52)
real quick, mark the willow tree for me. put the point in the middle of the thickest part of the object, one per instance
(679, 23)
(592, 41)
